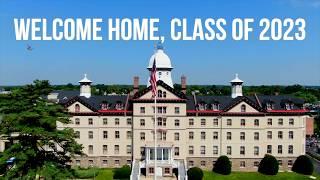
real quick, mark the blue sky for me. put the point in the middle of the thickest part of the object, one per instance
(203, 62)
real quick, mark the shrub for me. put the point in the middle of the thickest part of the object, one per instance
(303, 165)
(195, 173)
(85, 173)
(222, 165)
(269, 165)
(122, 173)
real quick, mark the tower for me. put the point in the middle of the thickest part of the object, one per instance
(163, 65)
(85, 87)
(236, 87)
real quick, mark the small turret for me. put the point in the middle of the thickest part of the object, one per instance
(85, 87)
(236, 87)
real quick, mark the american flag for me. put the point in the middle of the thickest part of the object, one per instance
(153, 79)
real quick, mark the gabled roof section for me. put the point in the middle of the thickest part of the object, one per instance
(245, 99)
(165, 86)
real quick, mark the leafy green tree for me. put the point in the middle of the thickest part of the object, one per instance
(29, 123)
(303, 165)
(222, 165)
(268, 165)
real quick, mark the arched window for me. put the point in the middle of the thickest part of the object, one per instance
(159, 93)
(77, 108)
(164, 94)
(243, 108)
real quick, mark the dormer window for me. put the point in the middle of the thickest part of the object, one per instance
(289, 106)
(105, 106)
(243, 108)
(202, 106)
(269, 106)
(77, 108)
(215, 106)
(119, 106)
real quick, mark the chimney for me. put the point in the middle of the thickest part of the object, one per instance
(135, 84)
(183, 84)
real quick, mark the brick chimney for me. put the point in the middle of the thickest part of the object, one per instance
(135, 84)
(183, 84)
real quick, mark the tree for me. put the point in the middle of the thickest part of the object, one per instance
(195, 173)
(29, 124)
(222, 165)
(122, 173)
(269, 165)
(303, 165)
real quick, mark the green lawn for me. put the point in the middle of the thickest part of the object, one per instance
(105, 174)
(254, 176)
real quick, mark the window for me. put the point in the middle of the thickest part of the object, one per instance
(256, 135)
(269, 134)
(191, 135)
(105, 149)
(142, 110)
(167, 170)
(191, 122)
(256, 150)
(215, 135)
(229, 122)
(164, 94)
(116, 149)
(229, 150)
(129, 121)
(116, 121)
(117, 134)
(77, 121)
(202, 150)
(291, 121)
(117, 162)
(161, 135)
(215, 106)
(191, 163)
(290, 163)
(142, 122)
(290, 149)
(242, 136)
(203, 122)
(77, 108)
(128, 149)
(279, 149)
(90, 134)
(269, 149)
(202, 163)
(280, 121)
(176, 110)
(290, 134)
(280, 162)
(162, 110)
(215, 149)
(104, 162)
(280, 134)
(242, 164)
(203, 135)
(78, 162)
(77, 134)
(215, 122)
(142, 151)
(243, 108)
(176, 136)
(177, 122)
(129, 134)
(242, 122)
(90, 121)
(90, 162)
(242, 150)
(270, 106)
(105, 121)
(105, 134)
(269, 121)
(162, 121)
(191, 150)
(256, 122)
(142, 136)
(90, 149)
(176, 151)
(256, 164)
(228, 135)
(151, 170)
(159, 91)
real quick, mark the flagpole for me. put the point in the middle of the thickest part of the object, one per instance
(155, 136)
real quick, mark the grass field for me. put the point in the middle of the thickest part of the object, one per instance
(254, 176)
(105, 174)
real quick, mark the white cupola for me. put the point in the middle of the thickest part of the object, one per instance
(236, 87)
(163, 65)
(85, 87)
